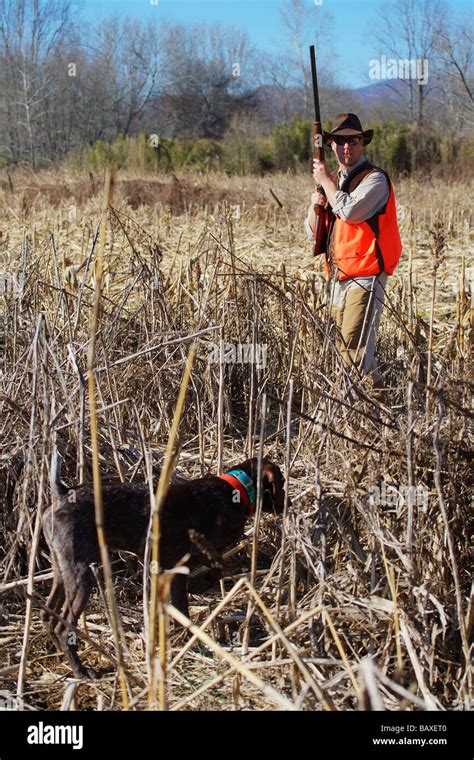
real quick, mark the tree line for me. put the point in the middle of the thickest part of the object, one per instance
(206, 97)
(400, 149)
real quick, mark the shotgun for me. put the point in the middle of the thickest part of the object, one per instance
(320, 236)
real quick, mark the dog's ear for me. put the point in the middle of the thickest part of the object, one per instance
(274, 481)
(58, 489)
(268, 471)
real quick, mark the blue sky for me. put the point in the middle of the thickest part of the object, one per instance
(352, 21)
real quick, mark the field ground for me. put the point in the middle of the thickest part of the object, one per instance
(370, 587)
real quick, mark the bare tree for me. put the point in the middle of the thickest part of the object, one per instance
(412, 34)
(71, 117)
(29, 32)
(61, 89)
(126, 56)
(305, 25)
(206, 79)
(278, 97)
(456, 52)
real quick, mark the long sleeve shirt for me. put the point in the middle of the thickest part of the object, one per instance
(367, 198)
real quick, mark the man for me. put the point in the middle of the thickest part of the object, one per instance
(363, 241)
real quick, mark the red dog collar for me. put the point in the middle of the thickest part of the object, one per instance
(238, 486)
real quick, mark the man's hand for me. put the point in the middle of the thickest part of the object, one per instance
(318, 199)
(320, 172)
(322, 176)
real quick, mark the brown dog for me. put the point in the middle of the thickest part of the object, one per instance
(199, 517)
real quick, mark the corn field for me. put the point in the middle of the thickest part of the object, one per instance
(357, 598)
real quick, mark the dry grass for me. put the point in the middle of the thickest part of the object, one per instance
(354, 604)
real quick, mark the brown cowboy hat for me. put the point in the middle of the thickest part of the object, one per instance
(348, 124)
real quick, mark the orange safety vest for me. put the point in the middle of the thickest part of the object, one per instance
(369, 247)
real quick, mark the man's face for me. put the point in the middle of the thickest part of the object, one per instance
(347, 154)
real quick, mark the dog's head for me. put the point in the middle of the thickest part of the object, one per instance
(273, 484)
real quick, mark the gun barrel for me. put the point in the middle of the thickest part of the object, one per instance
(320, 216)
(314, 77)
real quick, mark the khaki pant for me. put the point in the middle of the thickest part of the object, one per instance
(356, 307)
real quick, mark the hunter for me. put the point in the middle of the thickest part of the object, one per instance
(363, 245)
